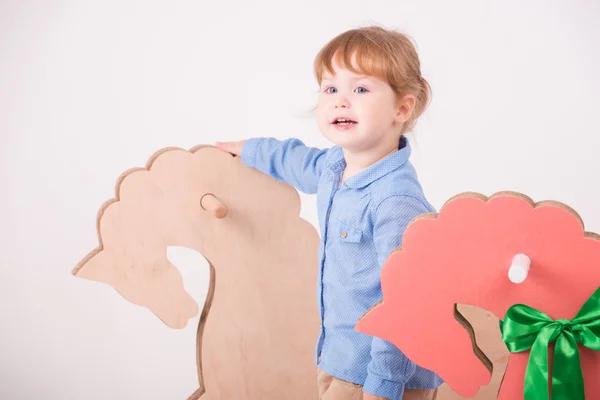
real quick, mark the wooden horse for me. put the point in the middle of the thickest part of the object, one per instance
(530, 265)
(259, 325)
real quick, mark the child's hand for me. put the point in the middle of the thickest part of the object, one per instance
(231, 147)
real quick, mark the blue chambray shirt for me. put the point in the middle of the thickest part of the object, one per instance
(361, 222)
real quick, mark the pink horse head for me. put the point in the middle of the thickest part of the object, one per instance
(462, 256)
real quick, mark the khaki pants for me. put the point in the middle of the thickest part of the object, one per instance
(331, 388)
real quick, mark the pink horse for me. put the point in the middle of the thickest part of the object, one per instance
(493, 253)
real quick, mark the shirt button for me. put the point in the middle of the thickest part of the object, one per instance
(344, 234)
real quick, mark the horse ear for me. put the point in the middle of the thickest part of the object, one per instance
(373, 322)
(96, 267)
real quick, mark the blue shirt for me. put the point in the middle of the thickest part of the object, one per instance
(361, 221)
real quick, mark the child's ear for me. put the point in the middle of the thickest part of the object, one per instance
(405, 107)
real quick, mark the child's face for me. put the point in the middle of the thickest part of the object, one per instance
(368, 101)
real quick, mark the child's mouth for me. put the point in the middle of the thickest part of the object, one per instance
(344, 124)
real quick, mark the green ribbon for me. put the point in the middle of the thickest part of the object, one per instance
(525, 328)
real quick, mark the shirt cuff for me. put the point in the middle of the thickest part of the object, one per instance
(249, 151)
(382, 387)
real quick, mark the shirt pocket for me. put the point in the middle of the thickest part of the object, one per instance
(346, 233)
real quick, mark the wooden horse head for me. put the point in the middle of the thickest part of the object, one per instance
(258, 328)
(492, 253)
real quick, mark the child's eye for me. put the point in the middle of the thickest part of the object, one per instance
(329, 91)
(361, 87)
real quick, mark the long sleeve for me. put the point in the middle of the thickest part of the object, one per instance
(389, 369)
(289, 160)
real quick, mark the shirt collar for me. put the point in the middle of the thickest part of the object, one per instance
(382, 167)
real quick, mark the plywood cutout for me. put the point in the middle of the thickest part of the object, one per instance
(258, 328)
(464, 256)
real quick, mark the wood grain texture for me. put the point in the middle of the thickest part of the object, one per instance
(258, 328)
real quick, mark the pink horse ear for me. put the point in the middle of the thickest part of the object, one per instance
(376, 322)
(484, 254)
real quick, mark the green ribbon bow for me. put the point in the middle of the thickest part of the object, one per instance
(525, 328)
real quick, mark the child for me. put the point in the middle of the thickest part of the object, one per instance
(367, 191)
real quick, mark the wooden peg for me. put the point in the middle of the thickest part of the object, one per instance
(212, 204)
(519, 268)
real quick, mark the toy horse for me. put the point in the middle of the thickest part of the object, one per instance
(531, 265)
(257, 330)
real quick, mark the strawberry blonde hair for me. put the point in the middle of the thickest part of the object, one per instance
(386, 54)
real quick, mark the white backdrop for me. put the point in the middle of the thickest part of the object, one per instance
(90, 89)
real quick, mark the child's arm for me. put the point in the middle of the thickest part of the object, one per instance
(389, 369)
(286, 160)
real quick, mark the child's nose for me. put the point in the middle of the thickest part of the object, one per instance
(341, 101)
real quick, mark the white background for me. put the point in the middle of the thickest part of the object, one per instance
(90, 89)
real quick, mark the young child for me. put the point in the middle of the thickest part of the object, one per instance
(372, 92)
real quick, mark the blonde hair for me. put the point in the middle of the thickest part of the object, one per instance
(386, 54)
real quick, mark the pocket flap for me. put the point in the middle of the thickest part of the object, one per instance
(347, 233)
